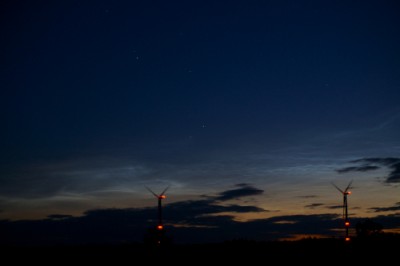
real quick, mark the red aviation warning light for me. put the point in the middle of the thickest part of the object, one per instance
(347, 239)
(347, 223)
(160, 227)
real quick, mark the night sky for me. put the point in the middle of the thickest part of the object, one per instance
(248, 110)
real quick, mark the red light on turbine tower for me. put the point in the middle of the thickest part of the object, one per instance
(160, 227)
(163, 196)
(347, 239)
(347, 223)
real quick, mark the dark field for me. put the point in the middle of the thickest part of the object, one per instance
(311, 251)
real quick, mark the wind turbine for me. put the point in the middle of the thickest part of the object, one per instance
(345, 193)
(159, 197)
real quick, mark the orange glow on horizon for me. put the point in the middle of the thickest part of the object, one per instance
(297, 237)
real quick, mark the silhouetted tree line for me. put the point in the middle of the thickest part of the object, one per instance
(368, 228)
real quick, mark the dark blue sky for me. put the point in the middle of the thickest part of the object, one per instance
(102, 98)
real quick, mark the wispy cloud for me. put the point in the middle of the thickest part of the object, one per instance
(335, 207)
(364, 168)
(59, 216)
(368, 164)
(244, 190)
(308, 196)
(395, 207)
(314, 205)
(52, 179)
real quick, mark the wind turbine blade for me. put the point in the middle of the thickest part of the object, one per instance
(341, 191)
(155, 195)
(162, 193)
(348, 186)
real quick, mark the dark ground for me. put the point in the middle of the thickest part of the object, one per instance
(311, 251)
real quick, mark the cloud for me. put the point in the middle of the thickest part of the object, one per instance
(369, 164)
(335, 207)
(396, 207)
(74, 176)
(244, 190)
(308, 196)
(364, 168)
(59, 216)
(313, 205)
(195, 208)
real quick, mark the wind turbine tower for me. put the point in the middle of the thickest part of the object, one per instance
(159, 197)
(345, 193)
